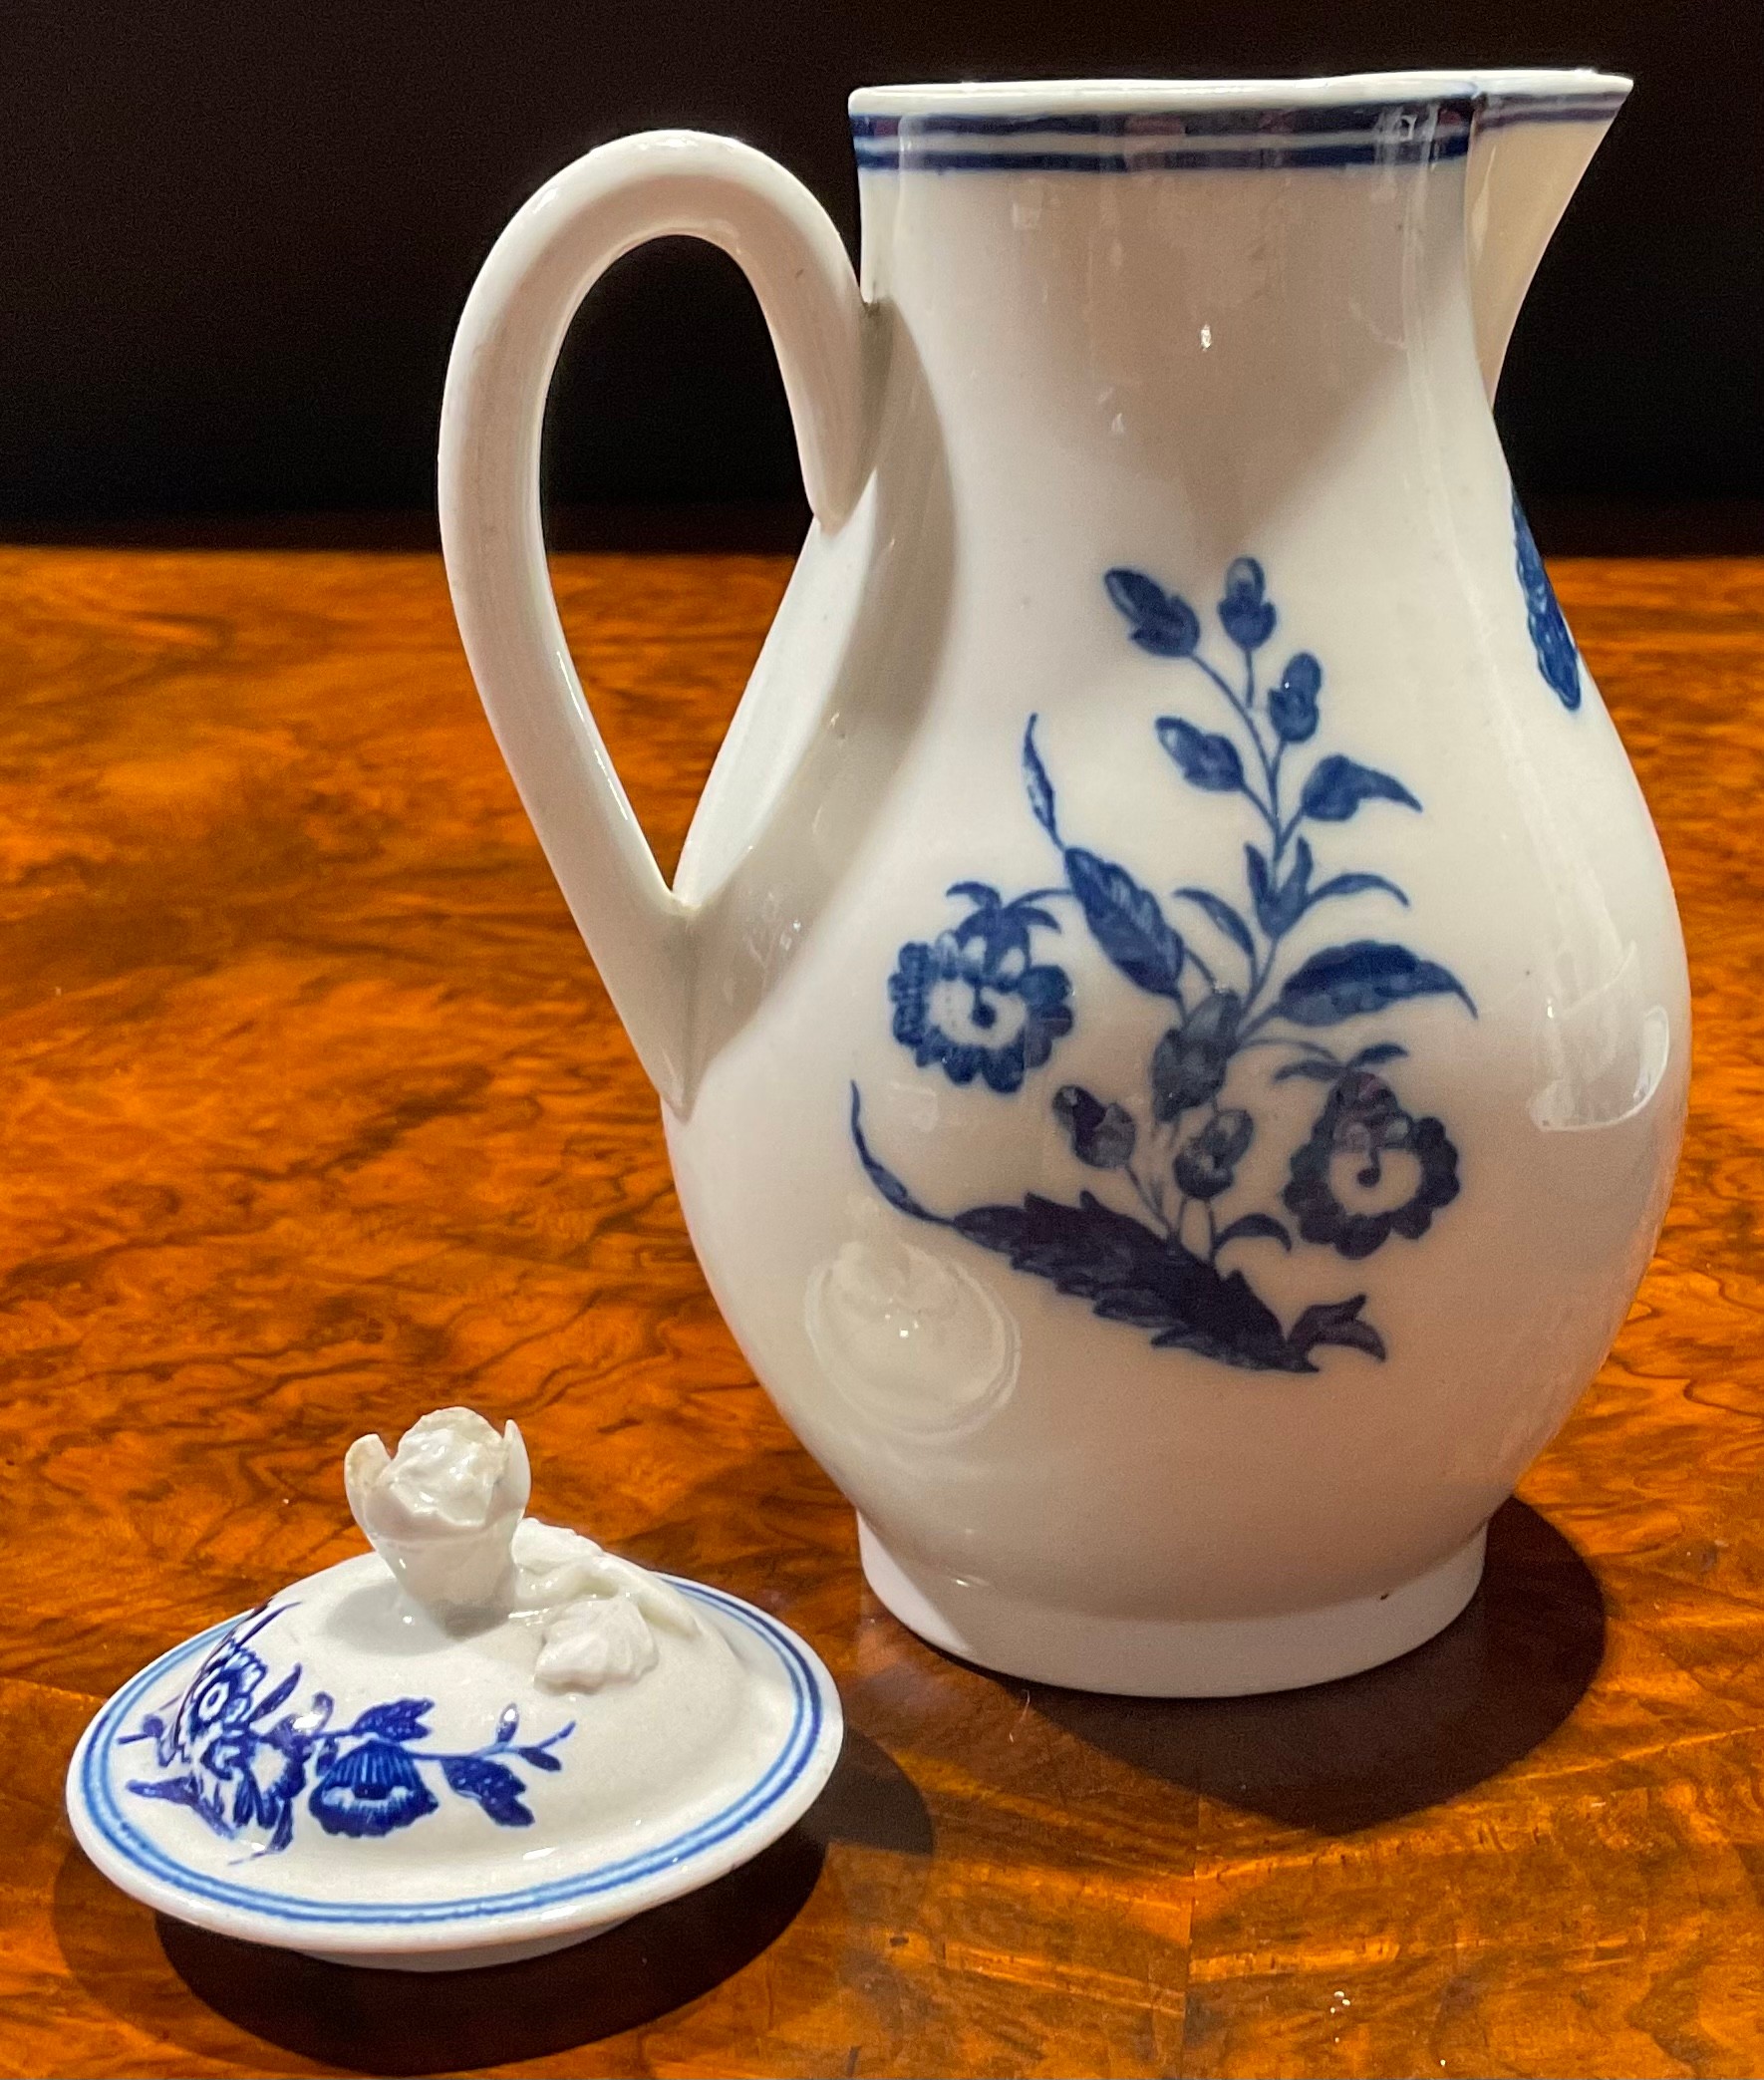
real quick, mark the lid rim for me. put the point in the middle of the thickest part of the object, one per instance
(587, 1901)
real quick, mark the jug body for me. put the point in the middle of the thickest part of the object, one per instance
(1190, 1038)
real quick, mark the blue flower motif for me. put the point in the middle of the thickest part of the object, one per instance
(267, 1773)
(237, 1766)
(1558, 659)
(1245, 615)
(371, 1790)
(1292, 705)
(1208, 1164)
(974, 1002)
(1361, 1122)
(222, 1692)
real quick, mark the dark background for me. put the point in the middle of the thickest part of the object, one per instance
(237, 235)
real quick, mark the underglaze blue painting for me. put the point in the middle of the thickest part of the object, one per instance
(1163, 1245)
(239, 1753)
(1558, 659)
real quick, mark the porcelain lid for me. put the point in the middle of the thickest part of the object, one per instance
(487, 1728)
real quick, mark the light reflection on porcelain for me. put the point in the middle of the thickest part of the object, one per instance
(1159, 511)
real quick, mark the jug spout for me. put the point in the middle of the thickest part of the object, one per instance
(1535, 136)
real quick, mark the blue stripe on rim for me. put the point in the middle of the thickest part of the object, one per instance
(1334, 120)
(135, 1848)
(1347, 133)
(1502, 111)
(1410, 152)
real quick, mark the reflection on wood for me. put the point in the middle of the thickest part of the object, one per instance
(316, 1118)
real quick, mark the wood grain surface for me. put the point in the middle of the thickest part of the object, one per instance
(316, 1118)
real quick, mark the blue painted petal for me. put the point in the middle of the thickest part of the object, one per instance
(1043, 987)
(372, 1790)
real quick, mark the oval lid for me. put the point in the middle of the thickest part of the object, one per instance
(488, 1729)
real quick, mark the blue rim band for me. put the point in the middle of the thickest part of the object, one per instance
(1159, 122)
(1350, 134)
(134, 1846)
(1369, 154)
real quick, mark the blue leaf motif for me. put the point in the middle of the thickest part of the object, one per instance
(1206, 761)
(1246, 617)
(496, 1787)
(1383, 1050)
(1162, 622)
(1256, 1225)
(1261, 886)
(401, 1719)
(177, 1791)
(1347, 982)
(1311, 1067)
(279, 1695)
(1039, 787)
(1337, 786)
(1222, 915)
(1130, 1274)
(1126, 922)
(1283, 910)
(539, 1758)
(1338, 1322)
(1355, 885)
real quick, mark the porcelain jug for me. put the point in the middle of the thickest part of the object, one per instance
(1171, 1020)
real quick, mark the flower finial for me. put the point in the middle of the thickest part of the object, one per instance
(442, 1511)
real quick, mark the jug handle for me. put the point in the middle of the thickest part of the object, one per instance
(660, 183)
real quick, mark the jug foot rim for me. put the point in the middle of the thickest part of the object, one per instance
(1172, 1656)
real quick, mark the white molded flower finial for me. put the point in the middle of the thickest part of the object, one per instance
(441, 1513)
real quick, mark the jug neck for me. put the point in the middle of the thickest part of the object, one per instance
(1149, 290)
(1535, 136)
(1146, 278)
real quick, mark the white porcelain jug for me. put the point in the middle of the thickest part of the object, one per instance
(1171, 1020)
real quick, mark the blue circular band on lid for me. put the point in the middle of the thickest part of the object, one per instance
(127, 1840)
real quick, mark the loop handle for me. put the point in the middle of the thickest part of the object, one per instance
(661, 183)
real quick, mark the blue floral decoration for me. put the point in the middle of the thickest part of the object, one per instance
(1363, 1123)
(975, 1001)
(239, 1759)
(1558, 659)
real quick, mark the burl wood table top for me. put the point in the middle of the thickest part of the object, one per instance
(315, 1118)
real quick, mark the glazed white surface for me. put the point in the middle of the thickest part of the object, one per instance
(488, 1738)
(1164, 369)
(645, 1765)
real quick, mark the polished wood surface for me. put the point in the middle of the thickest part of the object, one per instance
(316, 1118)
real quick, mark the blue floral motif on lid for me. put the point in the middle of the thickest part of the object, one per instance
(239, 1761)
(1145, 1245)
(369, 1790)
